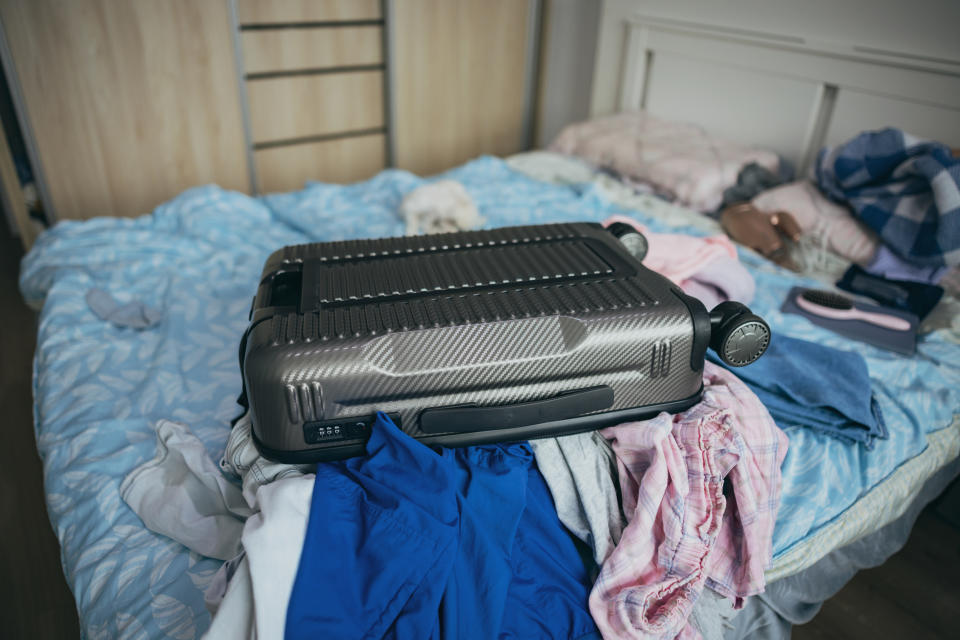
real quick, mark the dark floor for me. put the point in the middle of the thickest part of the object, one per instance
(34, 599)
(916, 594)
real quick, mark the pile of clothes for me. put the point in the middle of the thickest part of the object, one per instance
(653, 529)
(887, 202)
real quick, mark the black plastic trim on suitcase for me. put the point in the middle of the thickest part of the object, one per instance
(545, 430)
(701, 328)
(405, 277)
(474, 418)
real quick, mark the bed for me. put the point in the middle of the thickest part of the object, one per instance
(100, 389)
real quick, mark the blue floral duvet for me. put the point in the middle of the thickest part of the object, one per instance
(99, 388)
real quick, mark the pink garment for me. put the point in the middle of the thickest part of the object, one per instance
(706, 268)
(679, 159)
(683, 532)
(821, 218)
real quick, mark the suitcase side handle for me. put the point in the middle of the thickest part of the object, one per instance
(473, 418)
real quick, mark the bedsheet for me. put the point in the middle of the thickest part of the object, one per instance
(99, 389)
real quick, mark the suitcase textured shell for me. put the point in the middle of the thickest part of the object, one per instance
(464, 338)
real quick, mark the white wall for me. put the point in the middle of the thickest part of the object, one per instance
(569, 43)
(927, 28)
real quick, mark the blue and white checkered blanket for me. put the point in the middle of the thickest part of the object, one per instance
(904, 188)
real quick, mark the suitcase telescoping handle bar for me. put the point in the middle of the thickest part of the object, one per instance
(737, 335)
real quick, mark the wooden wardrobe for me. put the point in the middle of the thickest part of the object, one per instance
(125, 103)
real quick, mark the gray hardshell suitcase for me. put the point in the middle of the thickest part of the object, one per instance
(474, 337)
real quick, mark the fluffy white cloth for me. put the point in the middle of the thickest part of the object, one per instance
(439, 207)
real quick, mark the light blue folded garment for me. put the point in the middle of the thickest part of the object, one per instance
(806, 384)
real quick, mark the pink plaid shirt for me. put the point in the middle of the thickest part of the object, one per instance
(684, 531)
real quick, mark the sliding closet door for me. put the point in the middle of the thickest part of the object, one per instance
(314, 72)
(129, 102)
(460, 80)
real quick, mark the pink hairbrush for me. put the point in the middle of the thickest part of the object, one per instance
(827, 304)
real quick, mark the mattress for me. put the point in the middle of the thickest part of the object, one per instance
(99, 389)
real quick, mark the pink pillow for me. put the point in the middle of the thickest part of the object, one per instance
(821, 218)
(678, 159)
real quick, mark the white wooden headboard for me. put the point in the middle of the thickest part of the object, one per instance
(781, 92)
